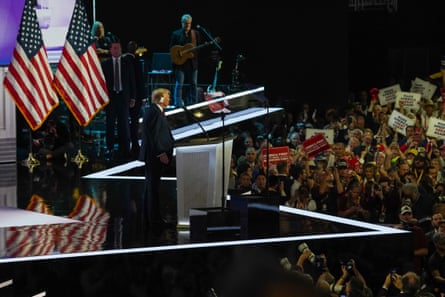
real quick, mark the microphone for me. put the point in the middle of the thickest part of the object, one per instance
(194, 119)
(199, 27)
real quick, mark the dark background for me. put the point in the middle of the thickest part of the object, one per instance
(321, 52)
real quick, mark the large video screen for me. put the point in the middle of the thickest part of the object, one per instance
(54, 19)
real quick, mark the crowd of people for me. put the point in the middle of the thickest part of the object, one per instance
(371, 172)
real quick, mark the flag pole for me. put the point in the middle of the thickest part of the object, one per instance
(80, 158)
(30, 162)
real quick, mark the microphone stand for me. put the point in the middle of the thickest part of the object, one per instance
(210, 37)
(223, 180)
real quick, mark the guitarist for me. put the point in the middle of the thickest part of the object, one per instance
(186, 72)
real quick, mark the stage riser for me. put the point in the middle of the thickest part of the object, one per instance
(203, 268)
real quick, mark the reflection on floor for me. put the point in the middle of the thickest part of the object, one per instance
(95, 211)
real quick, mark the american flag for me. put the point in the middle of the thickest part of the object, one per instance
(79, 78)
(29, 77)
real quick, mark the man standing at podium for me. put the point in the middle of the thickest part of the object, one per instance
(156, 152)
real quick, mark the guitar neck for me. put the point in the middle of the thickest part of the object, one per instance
(212, 88)
(195, 48)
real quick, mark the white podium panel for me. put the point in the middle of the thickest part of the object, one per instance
(199, 172)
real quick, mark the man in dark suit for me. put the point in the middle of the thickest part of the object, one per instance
(185, 65)
(135, 111)
(122, 92)
(156, 152)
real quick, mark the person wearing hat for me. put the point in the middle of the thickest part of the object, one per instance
(420, 243)
(439, 108)
(426, 112)
(343, 176)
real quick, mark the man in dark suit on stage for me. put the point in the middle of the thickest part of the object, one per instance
(156, 152)
(136, 111)
(121, 83)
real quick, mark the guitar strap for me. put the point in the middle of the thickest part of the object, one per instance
(193, 35)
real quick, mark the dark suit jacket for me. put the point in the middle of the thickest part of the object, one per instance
(127, 78)
(139, 77)
(156, 135)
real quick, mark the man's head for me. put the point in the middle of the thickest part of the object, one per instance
(410, 191)
(115, 48)
(186, 22)
(436, 219)
(411, 283)
(161, 96)
(406, 214)
(132, 46)
(439, 242)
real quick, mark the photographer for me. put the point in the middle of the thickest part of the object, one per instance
(317, 266)
(351, 205)
(407, 285)
(387, 204)
(351, 283)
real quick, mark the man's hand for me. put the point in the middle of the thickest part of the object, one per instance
(164, 158)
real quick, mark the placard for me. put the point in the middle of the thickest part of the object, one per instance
(388, 95)
(436, 128)
(410, 100)
(328, 134)
(276, 155)
(315, 145)
(423, 87)
(399, 122)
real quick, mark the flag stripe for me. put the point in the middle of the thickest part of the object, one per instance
(85, 83)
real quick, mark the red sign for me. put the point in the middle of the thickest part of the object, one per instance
(315, 145)
(276, 154)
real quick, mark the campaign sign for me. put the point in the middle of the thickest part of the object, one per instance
(436, 128)
(276, 155)
(399, 122)
(315, 145)
(423, 87)
(388, 95)
(410, 101)
(328, 134)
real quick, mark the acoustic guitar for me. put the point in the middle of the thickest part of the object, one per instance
(179, 54)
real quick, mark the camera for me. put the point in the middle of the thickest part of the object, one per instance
(349, 265)
(302, 247)
(320, 261)
(393, 273)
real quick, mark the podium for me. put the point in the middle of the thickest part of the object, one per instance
(199, 174)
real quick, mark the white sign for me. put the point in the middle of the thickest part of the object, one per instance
(410, 101)
(436, 128)
(399, 122)
(388, 95)
(423, 87)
